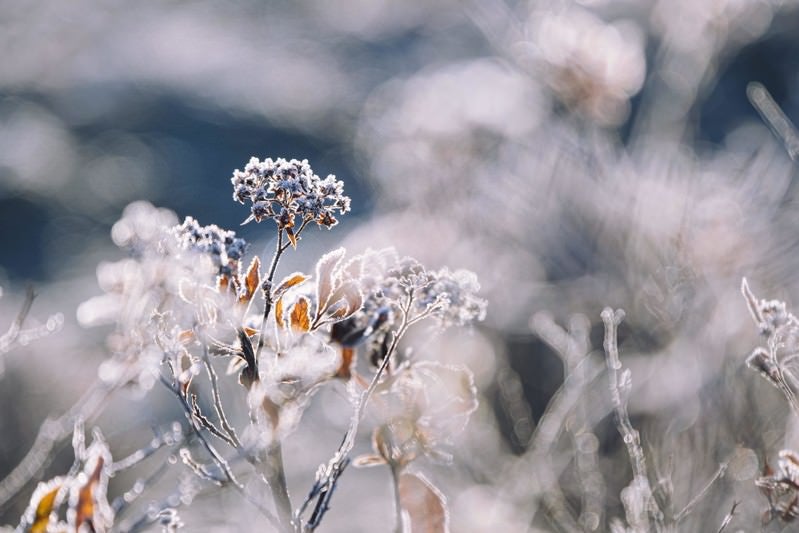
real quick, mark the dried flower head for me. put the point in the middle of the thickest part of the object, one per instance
(394, 285)
(283, 190)
(224, 248)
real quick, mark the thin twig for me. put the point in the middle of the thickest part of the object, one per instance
(702, 493)
(267, 287)
(328, 476)
(215, 455)
(546, 434)
(728, 518)
(51, 434)
(220, 462)
(207, 424)
(217, 398)
(774, 117)
(143, 453)
(630, 436)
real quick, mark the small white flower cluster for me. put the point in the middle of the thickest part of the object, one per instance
(158, 293)
(453, 296)
(392, 285)
(224, 248)
(283, 190)
(389, 280)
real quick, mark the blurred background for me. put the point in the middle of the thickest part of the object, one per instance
(574, 155)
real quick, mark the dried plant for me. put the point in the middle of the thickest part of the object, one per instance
(184, 298)
(564, 153)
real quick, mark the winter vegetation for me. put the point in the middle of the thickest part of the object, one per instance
(549, 287)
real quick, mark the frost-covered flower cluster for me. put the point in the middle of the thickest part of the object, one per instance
(224, 248)
(396, 288)
(453, 297)
(160, 293)
(284, 190)
(390, 281)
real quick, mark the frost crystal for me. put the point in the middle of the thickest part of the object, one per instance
(282, 190)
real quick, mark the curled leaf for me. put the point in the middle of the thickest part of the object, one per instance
(349, 294)
(367, 460)
(324, 277)
(300, 317)
(250, 373)
(422, 504)
(292, 280)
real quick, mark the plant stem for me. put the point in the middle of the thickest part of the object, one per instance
(274, 475)
(270, 275)
(395, 475)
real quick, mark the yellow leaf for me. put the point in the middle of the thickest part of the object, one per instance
(279, 313)
(44, 500)
(300, 318)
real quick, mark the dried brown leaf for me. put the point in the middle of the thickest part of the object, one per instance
(85, 507)
(292, 280)
(423, 504)
(292, 237)
(186, 336)
(345, 369)
(279, 313)
(251, 280)
(300, 317)
(89, 501)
